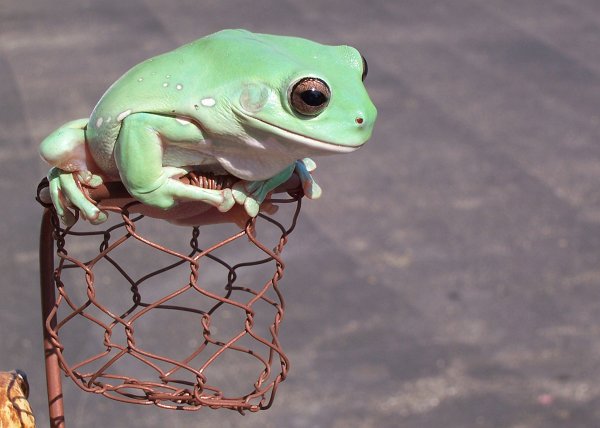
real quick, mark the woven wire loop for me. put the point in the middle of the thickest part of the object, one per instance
(115, 350)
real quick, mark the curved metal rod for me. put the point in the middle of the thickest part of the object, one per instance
(53, 373)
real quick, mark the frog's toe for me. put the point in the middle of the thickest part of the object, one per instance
(65, 215)
(89, 179)
(311, 189)
(228, 201)
(309, 164)
(58, 200)
(239, 192)
(75, 197)
(99, 218)
(309, 186)
(93, 214)
(250, 194)
(252, 207)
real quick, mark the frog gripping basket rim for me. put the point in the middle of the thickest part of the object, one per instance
(121, 367)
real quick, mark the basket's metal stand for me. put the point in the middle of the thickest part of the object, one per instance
(53, 372)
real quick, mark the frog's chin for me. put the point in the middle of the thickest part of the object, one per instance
(318, 146)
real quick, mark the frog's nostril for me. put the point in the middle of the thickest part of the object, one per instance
(359, 120)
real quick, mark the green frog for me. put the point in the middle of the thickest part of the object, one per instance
(255, 106)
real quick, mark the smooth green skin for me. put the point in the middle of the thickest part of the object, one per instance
(219, 104)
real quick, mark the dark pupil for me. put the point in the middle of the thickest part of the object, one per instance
(313, 98)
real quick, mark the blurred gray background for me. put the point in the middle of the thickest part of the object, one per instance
(449, 276)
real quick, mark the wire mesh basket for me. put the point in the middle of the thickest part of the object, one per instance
(145, 312)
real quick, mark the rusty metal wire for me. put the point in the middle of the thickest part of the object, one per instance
(140, 319)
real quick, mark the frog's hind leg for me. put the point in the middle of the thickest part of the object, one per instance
(65, 147)
(65, 150)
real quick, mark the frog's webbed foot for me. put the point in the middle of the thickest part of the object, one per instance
(66, 195)
(88, 179)
(251, 194)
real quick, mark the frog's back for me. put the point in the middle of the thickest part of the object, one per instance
(178, 83)
(158, 85)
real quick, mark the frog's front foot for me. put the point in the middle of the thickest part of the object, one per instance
(251, 194)
(67, 194)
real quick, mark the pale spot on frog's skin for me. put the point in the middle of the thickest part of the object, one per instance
(183, 120)
(253, 142)
(168, 76)
(99, 122)
(141, 79)
(208, 102)
(123, 115)
(179, 87)
(108, 119)
(254, 97)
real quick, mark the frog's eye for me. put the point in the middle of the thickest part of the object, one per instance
(365, 68)
(310, 96)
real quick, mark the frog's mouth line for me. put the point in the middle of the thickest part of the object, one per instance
(303, 139)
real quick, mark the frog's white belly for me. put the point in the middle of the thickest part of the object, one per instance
(180, 156)
(250, 161)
